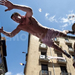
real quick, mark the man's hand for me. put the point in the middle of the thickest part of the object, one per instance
(66, 31)
(7, 3)
(1, 29)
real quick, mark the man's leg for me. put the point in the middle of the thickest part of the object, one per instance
(69, 32)
(61, 34)
(59, 49)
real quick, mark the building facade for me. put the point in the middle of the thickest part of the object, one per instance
(38, 60)
(3, 54)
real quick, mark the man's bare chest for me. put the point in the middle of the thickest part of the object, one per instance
(29, 25)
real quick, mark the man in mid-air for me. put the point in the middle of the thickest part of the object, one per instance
(30, 24)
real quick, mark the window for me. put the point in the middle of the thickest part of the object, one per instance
(69, 46)
(63, 69)
(73, 56)
(55, 39)
(43, 53)
(44, 67)
(59, 54)
(66, 39)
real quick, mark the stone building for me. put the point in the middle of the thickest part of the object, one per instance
(38, 62)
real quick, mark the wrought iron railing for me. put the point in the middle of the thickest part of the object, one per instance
(65, 73)
(43, 72)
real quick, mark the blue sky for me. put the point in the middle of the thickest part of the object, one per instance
(50, 13)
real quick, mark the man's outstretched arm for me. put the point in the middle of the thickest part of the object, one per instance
(10, 34)
(11, 6)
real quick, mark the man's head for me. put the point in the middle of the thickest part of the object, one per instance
(16, 17)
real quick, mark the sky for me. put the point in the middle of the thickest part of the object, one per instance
(57, 14)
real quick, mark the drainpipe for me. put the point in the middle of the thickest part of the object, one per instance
(52, 62)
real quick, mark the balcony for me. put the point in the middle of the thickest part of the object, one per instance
(43, 72)
(68, 42)
(43, 58)
(62, 61)
(65, 73)
(71, 50)
(43, 46)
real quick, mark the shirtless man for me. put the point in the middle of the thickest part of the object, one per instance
(31, 25)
